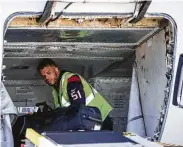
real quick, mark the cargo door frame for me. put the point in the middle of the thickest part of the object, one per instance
(6, 22)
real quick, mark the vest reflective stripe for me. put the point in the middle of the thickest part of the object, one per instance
(64, 79)
(91, 96)
(65, 103)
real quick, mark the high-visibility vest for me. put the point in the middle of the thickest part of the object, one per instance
(93, 98)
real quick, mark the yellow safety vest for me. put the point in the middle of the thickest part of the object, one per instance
(93, 98)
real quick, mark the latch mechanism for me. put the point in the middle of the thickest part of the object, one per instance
(49, 13)
(140, 10)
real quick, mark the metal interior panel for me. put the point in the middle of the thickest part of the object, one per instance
(79, 44)
(35, 95)
(67, 50)
(116, 91)
(151, 71)
(25, 69)
(110, 55)
(58, 35)
(35, 51)
(118, 69)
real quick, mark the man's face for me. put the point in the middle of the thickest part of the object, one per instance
(50, 74)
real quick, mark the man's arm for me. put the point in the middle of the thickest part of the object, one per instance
(75, 91)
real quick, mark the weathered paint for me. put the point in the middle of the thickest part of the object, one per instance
(91, 23)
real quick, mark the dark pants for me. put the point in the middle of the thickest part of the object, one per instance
(107, 124)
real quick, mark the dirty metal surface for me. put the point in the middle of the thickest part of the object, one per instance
(14, 83)
(69, 53)
(26, 69)
(92, 22)
(29, 44)
(170, 37)
(151, 71)
(73, 44)
(58, 35)
(116, 91)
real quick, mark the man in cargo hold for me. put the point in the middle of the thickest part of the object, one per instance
(71, 89)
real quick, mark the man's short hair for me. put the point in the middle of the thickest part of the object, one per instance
(45, 62)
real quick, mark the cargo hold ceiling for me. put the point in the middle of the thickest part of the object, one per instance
(107, 44)
(95, 38)
(132, 35)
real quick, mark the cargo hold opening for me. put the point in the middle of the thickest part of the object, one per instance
(106, 51)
